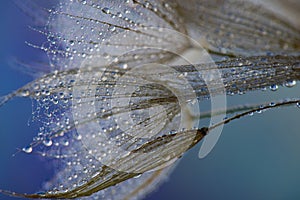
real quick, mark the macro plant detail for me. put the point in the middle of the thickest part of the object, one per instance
(120, 103)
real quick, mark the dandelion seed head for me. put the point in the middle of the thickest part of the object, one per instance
(109, 107)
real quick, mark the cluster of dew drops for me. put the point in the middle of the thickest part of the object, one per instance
(53, 94)
(51, 107)
(53, 98)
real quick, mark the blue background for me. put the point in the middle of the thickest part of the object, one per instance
(256, 157)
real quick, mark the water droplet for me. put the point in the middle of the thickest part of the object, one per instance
(264, 89)
(78, 137)
(112, 28)
(167, 158)
(106, 10)
(66, 143)
(290, 83)
(25, 93)
(138, 176)
(125, 66)
(274, 87)
(272, 104)
(119, 14)
(27, 149)
(55, 101)
(47, 142)
(72, 42)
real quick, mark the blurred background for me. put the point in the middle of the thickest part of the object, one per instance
(256, 157)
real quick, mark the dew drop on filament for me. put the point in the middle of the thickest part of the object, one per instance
(27, 149)
(274, 87)
(106, 10)
(290, 83)
(47, 142)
